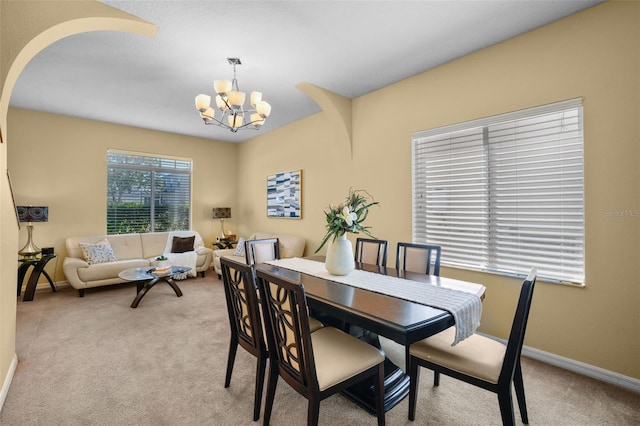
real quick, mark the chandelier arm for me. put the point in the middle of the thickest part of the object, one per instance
(225, 101)
(215, 122)
(247, 124)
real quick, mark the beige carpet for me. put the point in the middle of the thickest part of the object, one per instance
(96, 361)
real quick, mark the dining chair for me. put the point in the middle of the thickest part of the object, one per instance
(371, 251)
(418, 258)
(246, 322)
(478, 360)
(257, 251)
(316, 365)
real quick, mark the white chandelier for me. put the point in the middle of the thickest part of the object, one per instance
(230, 101)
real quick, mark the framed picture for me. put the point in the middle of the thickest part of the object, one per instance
(284, 195)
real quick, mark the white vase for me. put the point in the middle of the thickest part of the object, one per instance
(340, 259)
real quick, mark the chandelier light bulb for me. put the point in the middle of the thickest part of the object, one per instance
(208, 114)
(236, 99)
(263, 108)
(222, 87)
(203, 102)
(235, 121)
(256, 120)
(255, 98)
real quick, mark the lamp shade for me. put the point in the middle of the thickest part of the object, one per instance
(222, 86)
(221, 212)
(33, 213)
(255, 98)
(203, 102)
(263, 108)
(235, 120)
(257, 120)
(236, 99)
(208, 114)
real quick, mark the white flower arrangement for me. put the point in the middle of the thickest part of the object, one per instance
(348, 216)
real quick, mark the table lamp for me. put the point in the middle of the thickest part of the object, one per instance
(222, 213)
(31, 214)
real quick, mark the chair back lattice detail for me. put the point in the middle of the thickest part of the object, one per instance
(245, 321)
(258, 251)
(371, 251)
(418, 258)
(343, 359)
(241, 294)
(289, 321)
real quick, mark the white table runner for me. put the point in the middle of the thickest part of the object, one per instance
(465, 307)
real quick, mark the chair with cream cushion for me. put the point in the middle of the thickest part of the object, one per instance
(245, 319)
(371, 251)
(257, 251)
(418, 258)
(316, 365)
(478, 360)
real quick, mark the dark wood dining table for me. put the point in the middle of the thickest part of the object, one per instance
(368, 315)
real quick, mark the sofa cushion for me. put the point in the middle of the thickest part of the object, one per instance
(197, 242)
(182, 244)
(73, 244)
(153, 244)
(109, 270)
(126, 246)
(100, 252)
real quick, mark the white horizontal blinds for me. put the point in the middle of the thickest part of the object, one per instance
(450, 203)
(505, 193)
(147, 193)
(536, 196)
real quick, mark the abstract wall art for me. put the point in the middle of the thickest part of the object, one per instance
(284, 195)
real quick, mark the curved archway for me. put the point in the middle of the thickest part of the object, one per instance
(48, 36)
(33, 26)
(338, 108)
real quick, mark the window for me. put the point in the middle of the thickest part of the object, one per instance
(147, 193)
(505, 193)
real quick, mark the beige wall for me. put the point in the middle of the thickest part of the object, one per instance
(594, 54)
(27, 27)
(60, 162)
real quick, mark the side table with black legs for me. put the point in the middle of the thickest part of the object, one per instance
(38, 264)
(224, 244)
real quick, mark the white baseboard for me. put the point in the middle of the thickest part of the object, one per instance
(584, 369)
(7, 380)
(578, 367)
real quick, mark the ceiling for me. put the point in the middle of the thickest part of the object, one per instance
(348, 47)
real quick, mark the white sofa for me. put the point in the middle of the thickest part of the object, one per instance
(290, 246)
(130, 250)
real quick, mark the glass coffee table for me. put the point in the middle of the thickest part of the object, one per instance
(146, 278)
